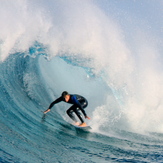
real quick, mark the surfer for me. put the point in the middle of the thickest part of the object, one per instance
(79, 103)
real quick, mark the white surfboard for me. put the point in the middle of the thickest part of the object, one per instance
(82, 127)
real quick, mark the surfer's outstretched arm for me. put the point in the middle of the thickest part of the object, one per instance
(52, 104)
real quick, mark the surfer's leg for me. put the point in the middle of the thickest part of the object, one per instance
(70, 113)
(76, 110)
(84, 104)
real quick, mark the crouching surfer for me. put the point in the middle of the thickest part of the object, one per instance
(79, 103)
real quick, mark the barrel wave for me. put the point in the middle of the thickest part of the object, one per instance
(48, 47)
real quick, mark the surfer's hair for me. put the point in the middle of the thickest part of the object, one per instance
(64, 94)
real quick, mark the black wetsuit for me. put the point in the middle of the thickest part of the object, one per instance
(79, 103)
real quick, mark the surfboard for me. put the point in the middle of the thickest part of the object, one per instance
(82, 127)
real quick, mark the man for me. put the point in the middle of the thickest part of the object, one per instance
(79, 103)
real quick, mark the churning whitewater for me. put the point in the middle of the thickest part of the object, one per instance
(101, 50)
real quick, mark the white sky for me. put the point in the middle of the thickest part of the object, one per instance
(147, 14)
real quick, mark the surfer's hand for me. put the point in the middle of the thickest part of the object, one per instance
(46, 111)
(87, 117)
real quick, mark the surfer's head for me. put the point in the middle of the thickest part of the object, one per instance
(64, 94)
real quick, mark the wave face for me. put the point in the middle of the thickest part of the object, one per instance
(101, 50)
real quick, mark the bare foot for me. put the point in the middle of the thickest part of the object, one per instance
(83, 125)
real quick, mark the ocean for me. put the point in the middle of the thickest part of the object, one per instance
(85, 48)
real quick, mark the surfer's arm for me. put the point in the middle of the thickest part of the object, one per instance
(83, 111)
(46, 111)
(52, 104)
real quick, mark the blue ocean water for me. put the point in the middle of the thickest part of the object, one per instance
(48, 47)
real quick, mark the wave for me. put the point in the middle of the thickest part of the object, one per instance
(53, 46)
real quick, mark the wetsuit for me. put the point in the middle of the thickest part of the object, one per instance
(79, 103)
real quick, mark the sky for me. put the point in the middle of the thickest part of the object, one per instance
(146, 14)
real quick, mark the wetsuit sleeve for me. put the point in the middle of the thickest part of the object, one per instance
(55, 102)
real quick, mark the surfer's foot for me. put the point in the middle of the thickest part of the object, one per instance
(77, 123)
(83, 124)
